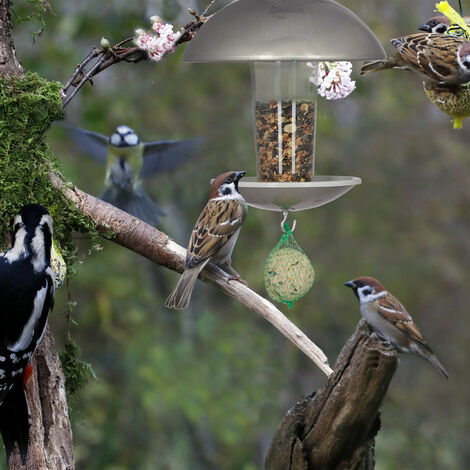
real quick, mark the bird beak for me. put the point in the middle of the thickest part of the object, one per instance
(425, 27)
(239, 175)
(350, 284)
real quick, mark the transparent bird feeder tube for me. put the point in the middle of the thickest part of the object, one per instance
(285, 108)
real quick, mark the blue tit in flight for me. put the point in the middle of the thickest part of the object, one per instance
(128, 161)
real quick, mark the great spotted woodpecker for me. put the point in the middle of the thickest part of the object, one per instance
(26, 296)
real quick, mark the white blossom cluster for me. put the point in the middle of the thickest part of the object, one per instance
(159, 42)
(334, 79)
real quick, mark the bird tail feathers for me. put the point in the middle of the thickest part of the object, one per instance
(14, 420)
(181, 294)
(425, 351)
(376, 66)
(137, 203)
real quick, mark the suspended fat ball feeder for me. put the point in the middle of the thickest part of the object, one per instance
(279, 38)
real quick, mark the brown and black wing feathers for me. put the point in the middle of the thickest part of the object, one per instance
(432, 55)
(218, 222)
(392, 310)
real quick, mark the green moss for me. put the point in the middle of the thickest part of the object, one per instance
(28, 106)
(77, 373)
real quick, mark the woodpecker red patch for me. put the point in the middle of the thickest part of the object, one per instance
(27, 373)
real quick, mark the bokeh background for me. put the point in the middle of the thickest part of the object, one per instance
(206, 388)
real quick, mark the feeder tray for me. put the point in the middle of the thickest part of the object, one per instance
(295, 196)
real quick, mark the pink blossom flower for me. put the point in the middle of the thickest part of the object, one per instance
(158, 43)
(334, 79)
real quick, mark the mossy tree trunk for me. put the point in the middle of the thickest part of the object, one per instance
(50, 433)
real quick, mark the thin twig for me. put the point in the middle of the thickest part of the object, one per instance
(79, 69)
(84, 80)
(117, 53)
(208, 7)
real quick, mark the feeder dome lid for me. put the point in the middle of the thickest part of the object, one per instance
(263, 30)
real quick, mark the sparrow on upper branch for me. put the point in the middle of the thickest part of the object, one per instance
(435, 58)
(442, 25)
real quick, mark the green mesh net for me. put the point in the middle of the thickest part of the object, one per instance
(288, 273)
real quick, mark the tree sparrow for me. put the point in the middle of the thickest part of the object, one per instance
(435, 58)
(442, 25)
(390, 320)
(214, 236)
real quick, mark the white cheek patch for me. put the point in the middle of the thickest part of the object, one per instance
(18, 249)
(115, 140)
(131, 139)
(370, 297)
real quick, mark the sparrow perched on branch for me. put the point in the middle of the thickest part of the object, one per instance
(128, 161)
(26, 296)
(435, 58)
(390, 320)
(214, 235)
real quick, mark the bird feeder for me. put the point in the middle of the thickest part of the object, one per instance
(278, 38)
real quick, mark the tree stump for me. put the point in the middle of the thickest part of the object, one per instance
(335, 427)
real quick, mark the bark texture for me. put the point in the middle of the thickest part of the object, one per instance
(9, 64)
(50, 436)
(335, 427)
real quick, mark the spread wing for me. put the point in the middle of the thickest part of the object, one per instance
(164, 156)
(218, 222)
(393, 311)
(90, 143)
(432, 54)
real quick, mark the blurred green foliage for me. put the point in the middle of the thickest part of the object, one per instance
(206, 388)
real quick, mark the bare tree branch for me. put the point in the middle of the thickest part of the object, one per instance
(147, 241)
(108, 56)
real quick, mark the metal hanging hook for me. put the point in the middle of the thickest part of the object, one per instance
(284, 220)
(461, 9)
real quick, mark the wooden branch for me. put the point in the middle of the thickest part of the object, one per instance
(106, 57)
(50, 436)
(147, 241)
(335, 427)
(9, 64)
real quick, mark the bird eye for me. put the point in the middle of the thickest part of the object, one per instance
(433, 22)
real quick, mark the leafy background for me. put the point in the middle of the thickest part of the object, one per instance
(206, 388)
